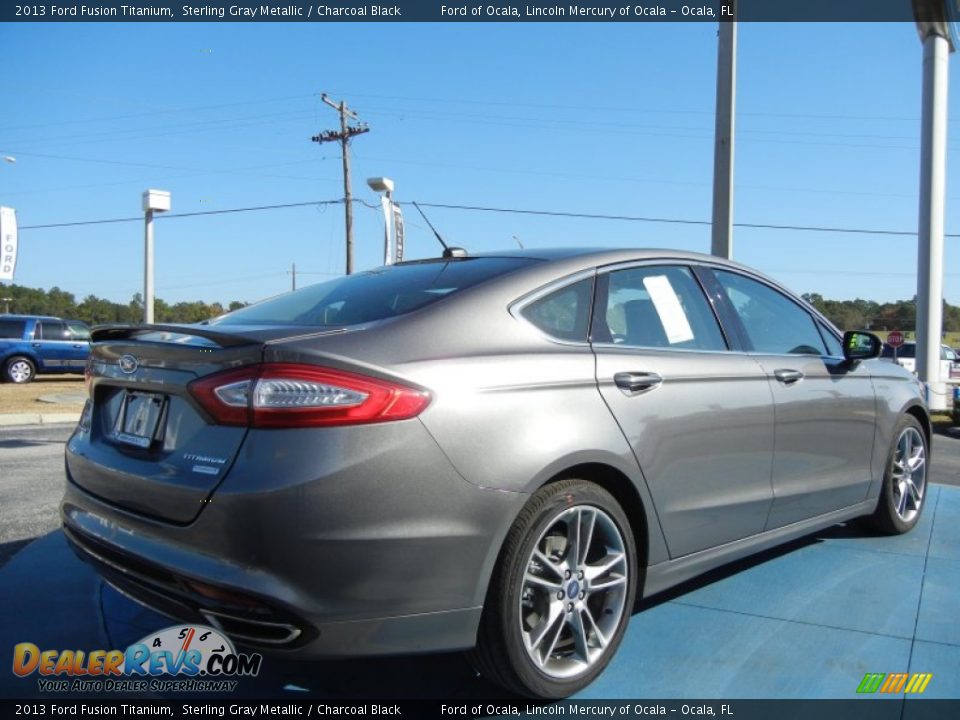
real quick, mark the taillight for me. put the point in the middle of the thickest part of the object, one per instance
(294, 395)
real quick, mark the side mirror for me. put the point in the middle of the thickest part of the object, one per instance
(861, 345)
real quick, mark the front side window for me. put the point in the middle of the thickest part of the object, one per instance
(655, 307)
(834, 346)
(565, 313)
(774, 323)
(78, 331)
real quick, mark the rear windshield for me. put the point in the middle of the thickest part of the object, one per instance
(375, 294)
(12, 329)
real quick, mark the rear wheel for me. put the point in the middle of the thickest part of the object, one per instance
(562, 592)
(19, 370)
(905, 480)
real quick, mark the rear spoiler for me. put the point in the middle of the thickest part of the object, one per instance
(173, 334)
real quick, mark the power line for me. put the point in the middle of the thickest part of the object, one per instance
(674, 221)
(181, 215)
(514, 211)
(666, 111)
(153, 112)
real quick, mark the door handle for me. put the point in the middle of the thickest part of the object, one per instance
(788, 377)
(36, 345)
(632, 383)
(78, 347)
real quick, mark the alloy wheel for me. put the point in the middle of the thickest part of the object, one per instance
(574, 591)
(909, 474)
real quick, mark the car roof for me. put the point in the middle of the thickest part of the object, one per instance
(4, 316)
(607, 256)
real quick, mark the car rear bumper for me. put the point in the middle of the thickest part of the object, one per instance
(365, 556)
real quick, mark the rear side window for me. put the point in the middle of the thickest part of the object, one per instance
(12, 329)
(51, 330)
(565, 313)
(374, 295)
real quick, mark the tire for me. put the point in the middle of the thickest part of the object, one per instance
(19, 369)
(904, 491)
(530, 640)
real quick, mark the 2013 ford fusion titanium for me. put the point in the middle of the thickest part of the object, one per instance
(498, 453)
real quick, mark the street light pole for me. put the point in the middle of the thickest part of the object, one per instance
(153, 201)
(385, 186)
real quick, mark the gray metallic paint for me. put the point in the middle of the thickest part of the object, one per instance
(384, 537)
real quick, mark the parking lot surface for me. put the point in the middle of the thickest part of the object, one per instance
(807, 620)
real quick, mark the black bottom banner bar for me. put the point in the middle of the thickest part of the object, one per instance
(858, 709)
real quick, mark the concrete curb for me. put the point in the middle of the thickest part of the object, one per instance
(11, 419)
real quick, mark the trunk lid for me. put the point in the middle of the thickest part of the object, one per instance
(144, 444)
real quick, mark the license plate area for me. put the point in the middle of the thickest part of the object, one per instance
(141, 419)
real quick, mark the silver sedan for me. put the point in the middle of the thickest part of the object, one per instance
(499, 453)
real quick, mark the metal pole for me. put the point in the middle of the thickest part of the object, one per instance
(933, 160)
(721, 240)
(148, 267)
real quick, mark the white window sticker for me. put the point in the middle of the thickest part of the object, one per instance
(669, 309)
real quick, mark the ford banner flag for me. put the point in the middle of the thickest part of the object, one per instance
(398, 232)
(8, 243)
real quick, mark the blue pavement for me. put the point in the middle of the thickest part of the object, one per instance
(809, 623)
(804, 621)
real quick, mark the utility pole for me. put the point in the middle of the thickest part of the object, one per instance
(721, 242)
(293, 276)
(343, 136)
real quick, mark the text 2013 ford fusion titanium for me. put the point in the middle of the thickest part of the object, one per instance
(497, 453)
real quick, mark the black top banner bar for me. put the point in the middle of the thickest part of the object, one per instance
(474, 709)
(477, 11)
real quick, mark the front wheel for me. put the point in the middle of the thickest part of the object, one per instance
(905, 480)
(562, 592)
(19, 370)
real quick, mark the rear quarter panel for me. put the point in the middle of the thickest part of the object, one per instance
(511, 409)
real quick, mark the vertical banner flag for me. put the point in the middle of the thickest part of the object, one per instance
(398, 232)
(8, 242)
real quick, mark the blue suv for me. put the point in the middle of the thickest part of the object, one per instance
(31, 344)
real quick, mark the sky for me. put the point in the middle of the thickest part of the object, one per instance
(594, 118)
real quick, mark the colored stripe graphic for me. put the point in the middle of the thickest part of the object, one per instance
(894, 683)
(918, 683)
(871, 682)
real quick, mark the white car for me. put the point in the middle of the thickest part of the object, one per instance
(906, 356)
